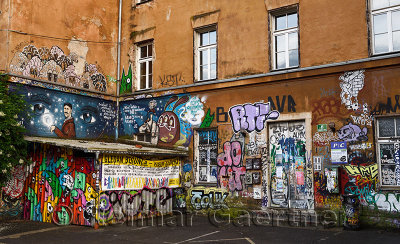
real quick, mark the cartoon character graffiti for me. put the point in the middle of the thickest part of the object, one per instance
(68, 127)
(352, 132)
(168, 122)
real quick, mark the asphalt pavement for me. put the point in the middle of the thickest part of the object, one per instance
(197, 229)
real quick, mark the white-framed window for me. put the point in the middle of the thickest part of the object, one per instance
(206, 53)
(145, 65)
(285, 42)
(388, 151)
(205, 155)
(385, 19)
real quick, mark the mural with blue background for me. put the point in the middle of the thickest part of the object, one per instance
(90, 117)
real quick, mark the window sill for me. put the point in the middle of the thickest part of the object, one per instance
(199, 81)
(282, 69)
(383, 54)
(137, 4)
(140, 90)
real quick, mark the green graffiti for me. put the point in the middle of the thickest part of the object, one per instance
(301, 149)
(126, 82)
(32, 197)
(63, 216)
(63, 163)
(54, 183)
(80, 181)
(207, 120)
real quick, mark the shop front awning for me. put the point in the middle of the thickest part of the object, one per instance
(108, 147)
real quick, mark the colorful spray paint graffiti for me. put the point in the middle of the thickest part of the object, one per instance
(65, 115)
(59, 181)
(56, 66)
(11, 195)
(251, 117)
(230, 164)
(165, 121)
(207, 198)
(120, 206)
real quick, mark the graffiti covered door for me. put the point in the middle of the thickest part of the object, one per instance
(287, 149)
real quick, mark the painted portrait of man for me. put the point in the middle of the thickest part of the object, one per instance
(68, 128)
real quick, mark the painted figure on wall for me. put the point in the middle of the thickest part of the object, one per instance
(68, 128)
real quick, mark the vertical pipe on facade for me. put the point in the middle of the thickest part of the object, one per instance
(118, 65)
(8, 36)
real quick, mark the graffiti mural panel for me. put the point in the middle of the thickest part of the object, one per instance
(66, 115)
(60, 186)
(163, 121)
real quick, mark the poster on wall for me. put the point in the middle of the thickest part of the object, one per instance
(331, 175)
(257, 192)
(131, 173)
(339, 152)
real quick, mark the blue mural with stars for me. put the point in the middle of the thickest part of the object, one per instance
(66, 115)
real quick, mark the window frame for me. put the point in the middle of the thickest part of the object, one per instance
(385, 140)
(274, 33)
(197, 49)
(146, 60)
(385, 10)
(196, 165)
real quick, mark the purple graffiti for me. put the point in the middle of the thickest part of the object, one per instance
(251, 117)
(352, 132)
(230, 166)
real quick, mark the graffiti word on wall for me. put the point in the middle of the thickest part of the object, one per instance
(171, 80)
(56, 66)
(388, 107)
(251, 117)
(210, 197)
(132, 173)
(116, 206)
(364, 171)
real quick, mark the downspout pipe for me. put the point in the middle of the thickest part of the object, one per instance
(118, 65)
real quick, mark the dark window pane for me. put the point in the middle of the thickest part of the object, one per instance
(142, 82)
(203, 57)
(150, 50)
(386, 127)
(143, 52)
(143, 68)
(150, 67)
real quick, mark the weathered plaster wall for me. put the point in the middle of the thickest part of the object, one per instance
(71, 39)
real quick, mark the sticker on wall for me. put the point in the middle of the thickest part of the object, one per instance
(257, 163)
(249, 163)
(339, 152)
(256, 178)
(331, 175)
(322, 127)
(257, 192)
(248, 179)
(317, 163)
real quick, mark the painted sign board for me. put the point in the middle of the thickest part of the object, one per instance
(322, 127)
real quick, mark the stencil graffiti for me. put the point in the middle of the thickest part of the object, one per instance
(205, 198)
(352, 132)
(56, 66)
(352, 83)
(251, 117)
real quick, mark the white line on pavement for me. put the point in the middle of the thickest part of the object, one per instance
(194, 238)
(28, 233)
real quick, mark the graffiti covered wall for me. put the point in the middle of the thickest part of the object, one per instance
(66, 115)
(60, 186)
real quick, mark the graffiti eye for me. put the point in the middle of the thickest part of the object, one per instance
(128, 80)
(166, 119)
(49, 208)
(89, 114)
(39, 109)
(172, 122)
(49, 180)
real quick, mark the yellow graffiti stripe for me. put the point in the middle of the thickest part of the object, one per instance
(131, 160)
(371, 170)
(173, 182)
